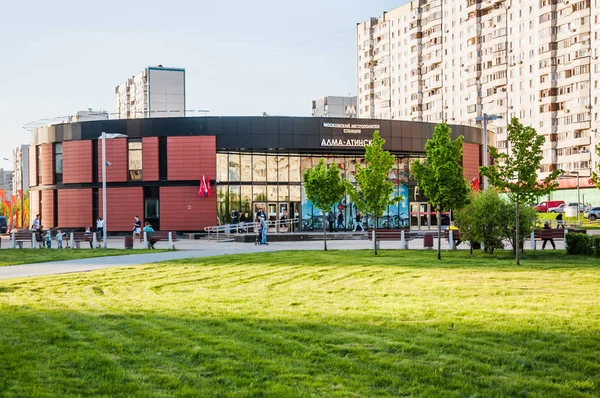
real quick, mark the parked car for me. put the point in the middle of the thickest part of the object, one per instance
(544, 206)
(563, 207)
(3, 225)
(593, 213)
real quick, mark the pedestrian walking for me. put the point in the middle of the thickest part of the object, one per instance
(358, 221)
(331, 220)
(546, 240)
(137, 228)
(340, 221)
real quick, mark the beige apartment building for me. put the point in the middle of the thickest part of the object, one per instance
(456, 60)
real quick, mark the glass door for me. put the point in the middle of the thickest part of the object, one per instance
(272, 216)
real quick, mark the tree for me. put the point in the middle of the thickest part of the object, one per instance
(482, 220)
(324, 188)
(374, 193)
(489, 219)
(440, 176)
(516, 170)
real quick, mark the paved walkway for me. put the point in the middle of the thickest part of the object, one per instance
(198, 248)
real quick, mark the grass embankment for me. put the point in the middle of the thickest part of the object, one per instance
(29, 256)
(308, 324)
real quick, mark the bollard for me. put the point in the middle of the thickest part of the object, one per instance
(72, 240)
(482, 246)
(171, 244)
(33, 240)
(566, 231)
(373, 235)
(14, 241)
(95, 241)
(145, 239)
(533, 240)
(451, 239)
(402, 240)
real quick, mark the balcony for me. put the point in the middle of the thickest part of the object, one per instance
(577, 157)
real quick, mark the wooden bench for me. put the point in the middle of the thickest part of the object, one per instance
(556, 234)
(153, 237)
(455, 236)
(24, 236)
(389, 234)
(79, 237)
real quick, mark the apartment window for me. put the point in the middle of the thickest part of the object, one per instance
(58, 163)
(135, 160)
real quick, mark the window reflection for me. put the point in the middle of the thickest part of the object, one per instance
(246, 165)
(272, 168)
(234, 167)
(284, 193)
(260, 193)
(294, 169)
(259, 163)
(305, 163)
(295, 193)
(272, 193)
(222, 167)
(283, 169)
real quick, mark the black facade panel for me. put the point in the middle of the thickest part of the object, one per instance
(289, 134)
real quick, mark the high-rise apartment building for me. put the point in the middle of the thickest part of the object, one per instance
(154, 92)
(21, 169)
(456, 60)
(331, 106)
(6, 181)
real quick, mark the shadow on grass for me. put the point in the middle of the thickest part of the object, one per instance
(45, 353)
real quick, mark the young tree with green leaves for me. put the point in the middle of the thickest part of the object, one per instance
(516, 170)
(596, 174)
(440, 176)
(324, 188)
(374, 193)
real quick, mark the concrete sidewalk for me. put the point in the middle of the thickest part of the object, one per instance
(198, 248)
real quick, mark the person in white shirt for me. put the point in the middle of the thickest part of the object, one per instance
(59, 239)
(100, 228)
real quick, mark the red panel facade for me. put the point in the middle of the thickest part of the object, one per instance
(34, 205)
(33, 176)
(116, 154)
(77, 162)
(471, 161)
(47, 164)
(48, 209)
(122, 204)
(188, 158)
(181, 209)
(74, 208)
(150, 158)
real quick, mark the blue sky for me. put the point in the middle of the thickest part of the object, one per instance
(241, 57)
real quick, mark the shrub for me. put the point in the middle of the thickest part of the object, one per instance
(595, 240)
(579, 244)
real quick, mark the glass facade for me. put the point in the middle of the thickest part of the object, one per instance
(249, 181)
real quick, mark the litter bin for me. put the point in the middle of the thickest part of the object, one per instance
(128, 242)
(428, 241)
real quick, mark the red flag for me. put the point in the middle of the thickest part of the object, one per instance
(20, 193)
(2, 195)
(13, 198)
(475, 184)
(204, 189)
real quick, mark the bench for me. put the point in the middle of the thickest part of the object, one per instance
(24, 236)
(150, 238)
(78, 237)
(388, 234)
(554, 234)
(455, 235)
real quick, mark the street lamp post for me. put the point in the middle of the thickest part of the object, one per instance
(485, 119)
(104, 137)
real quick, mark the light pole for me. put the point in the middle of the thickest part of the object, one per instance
(104, 137)
(485, 119)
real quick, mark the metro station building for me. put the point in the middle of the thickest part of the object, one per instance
(251, 162)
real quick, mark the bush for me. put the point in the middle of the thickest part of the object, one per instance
(579, 244)
(595, 240)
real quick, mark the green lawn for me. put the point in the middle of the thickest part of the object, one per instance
(334, 324)
(28, 256)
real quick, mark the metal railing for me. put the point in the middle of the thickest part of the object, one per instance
(248, 227)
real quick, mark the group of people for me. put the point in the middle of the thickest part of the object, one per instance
(332, 218)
